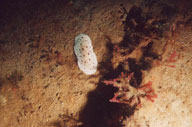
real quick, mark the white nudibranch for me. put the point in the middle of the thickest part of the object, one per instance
(86, 58)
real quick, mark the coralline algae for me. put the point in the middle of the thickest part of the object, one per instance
(86, 58)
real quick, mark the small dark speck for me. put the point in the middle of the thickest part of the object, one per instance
(42, 56)
(46, 86)
(32, 111)
(39, 107)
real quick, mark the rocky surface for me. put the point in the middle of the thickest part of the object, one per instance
(42, 86)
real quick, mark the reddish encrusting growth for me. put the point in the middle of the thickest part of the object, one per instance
(172, 66)
(147, 85)
(111, 82)
(128, 94)
(59, 58)
(114, 99)
(150, 93)
(130, 76)
(116, 48)
(123, 75)
(172, 59)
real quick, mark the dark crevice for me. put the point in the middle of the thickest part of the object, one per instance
(99, 112)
